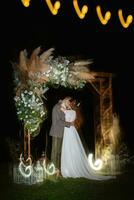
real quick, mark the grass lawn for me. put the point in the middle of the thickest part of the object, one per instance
(120, 188)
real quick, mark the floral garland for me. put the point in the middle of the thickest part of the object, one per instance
(33, 76)
(59, 74)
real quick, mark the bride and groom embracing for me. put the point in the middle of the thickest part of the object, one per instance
(68, 154)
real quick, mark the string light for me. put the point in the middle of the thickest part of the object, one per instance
(128, 20)
(26, 3)
(25, 170)
(53, 8)
(81, 13)
(50, 170)
(97, 165)
(104, 20)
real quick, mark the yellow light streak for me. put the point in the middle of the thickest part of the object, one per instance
(53, 8)
(128, 21)
(26, 3)
(81, 13)
(104, 20)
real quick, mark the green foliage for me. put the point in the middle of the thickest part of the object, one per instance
(60, 74)
(30, 110)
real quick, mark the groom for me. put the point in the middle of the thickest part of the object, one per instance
(57, 130)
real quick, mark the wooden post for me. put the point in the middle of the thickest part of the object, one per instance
(29, 149)
(25, 143)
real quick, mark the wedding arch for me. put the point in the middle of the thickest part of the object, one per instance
(103, 112)
(35, 73)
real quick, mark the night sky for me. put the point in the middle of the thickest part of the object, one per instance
(110, 47)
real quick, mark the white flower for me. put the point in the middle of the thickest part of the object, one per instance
(31, 92)
(25, 91)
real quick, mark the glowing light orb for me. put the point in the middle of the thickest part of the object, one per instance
(97, 164)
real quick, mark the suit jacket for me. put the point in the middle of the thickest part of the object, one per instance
(58, 121)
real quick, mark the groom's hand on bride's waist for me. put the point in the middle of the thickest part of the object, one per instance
(72, 123)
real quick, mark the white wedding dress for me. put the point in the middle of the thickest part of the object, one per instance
(74, 162)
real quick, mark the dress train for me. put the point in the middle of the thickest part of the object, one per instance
(74, 161)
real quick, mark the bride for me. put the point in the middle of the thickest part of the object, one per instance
(74, 161)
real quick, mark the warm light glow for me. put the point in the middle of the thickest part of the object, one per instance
(53, 8)
(97, 165)
(55, 12)
(25, 3)
(84, 9)
(25, 170)
(81, 13)
(104, 20)
(128, 20)
(50, 170)
(57, 5)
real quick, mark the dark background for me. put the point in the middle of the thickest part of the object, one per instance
(110, 47)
